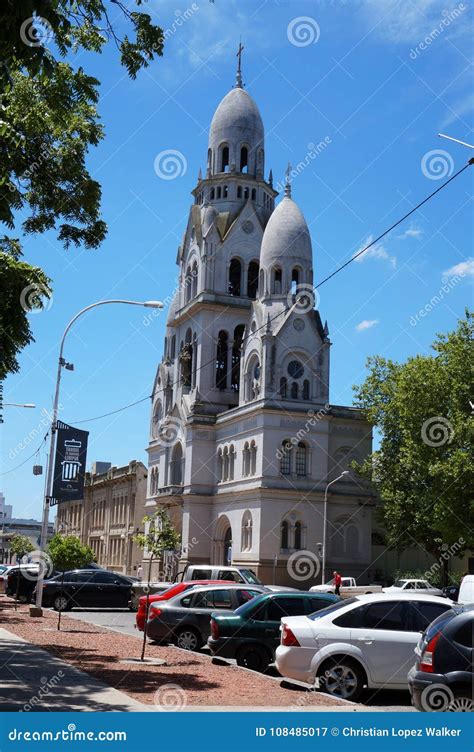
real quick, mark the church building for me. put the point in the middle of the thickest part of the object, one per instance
(243, 438)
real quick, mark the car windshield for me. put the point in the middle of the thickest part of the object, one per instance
(251, 577)
(399, 583)
(329, 609)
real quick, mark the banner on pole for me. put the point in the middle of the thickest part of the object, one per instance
(69, 464)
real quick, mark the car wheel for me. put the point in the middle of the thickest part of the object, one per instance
(341, 677)
(61, 603)
(188, 639)
(253, 657)
(461, 705)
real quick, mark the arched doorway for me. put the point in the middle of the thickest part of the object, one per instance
(222, 543)
(228, 547)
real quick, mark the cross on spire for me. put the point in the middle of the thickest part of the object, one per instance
(287, 181)
(239, 65)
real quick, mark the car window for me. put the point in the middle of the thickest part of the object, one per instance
(331, 609)
(243, 596)
(388, 615)
(186, 601)
(351, 618)
(204, 600)
(251, 577)
(83, 576)
(464, 635)
(316, 604)
(254, 609)
(201, 574)
(220, 599)
(229, 576)
(106, 578)
(281, 606)
(409, 586)
(426, 612)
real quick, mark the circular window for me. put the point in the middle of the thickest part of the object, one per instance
(247, 227)
(295, 369)
(256, 371)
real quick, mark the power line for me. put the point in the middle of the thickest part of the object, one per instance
(28, 458)
(320, 284)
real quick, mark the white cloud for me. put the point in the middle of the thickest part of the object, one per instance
(413, 232)
(377, 251)
(366, 324)
(463, 269)
(410, 21)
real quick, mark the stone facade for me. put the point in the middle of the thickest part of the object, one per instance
(243, 437)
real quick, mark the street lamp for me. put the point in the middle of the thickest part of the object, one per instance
(16, 404)
(325, 516)
(48, 486)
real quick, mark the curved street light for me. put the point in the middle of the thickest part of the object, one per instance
(17, 404)
(325, 517)
(54, 416)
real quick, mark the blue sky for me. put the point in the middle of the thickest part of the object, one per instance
(375, 81)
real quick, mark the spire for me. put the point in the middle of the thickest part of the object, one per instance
(238, 82)
(287, 182)
(270, 178)
(199, 175)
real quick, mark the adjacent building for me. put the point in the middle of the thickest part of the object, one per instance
(27, 527)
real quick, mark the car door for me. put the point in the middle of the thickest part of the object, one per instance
(104, 590)
(80, 588)
(387, 638)
(426, 611)
(278, 607)
(202, 606)
(120, 595)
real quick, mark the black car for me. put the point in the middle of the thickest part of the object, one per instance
(185, 619)
(442, 678)
(84, 588)
(21, 582)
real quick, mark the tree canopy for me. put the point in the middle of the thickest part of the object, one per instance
(67, 552)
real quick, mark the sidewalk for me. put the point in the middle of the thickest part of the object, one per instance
(33, 680)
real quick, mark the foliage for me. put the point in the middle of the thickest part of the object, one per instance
(20, 545)
(67, 552)
(160, 535)
(48, 121)
(422, 470)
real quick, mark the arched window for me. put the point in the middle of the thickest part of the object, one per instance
(285, 458)
(209, 159)
(236, 354)
(294, 390)
(187, 360)
(246, 460)
(246, 193)
(352, 540)
(295, 280)
(235, 277)
(253, 458)
(157, 415)
(173, 346)
(300, 459)
(187, 285)
(283, 387)
(239, 192)
(220, 466)
(177, 462)
(194, 279)
(221, 360)
(225, 191)
(213, 194)
(252, 279)
(218, 191)
(246, 543)
(225, 159)
(225, 459)
(254, 194)
(194, 362)
(261, 282)
(298, 536)
(244, 159)
(284, 535)
(231, 461)
(306, 389)
(277, 276)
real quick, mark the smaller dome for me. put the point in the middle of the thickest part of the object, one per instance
(209, 215)
(286, 239)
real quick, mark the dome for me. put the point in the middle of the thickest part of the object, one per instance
(236, 124)
(286, 239)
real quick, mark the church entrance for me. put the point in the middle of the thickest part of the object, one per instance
(222, 543)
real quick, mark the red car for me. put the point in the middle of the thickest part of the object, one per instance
(180, 587)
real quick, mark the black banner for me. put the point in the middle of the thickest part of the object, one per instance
(69, 465)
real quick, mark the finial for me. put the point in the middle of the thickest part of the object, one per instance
(238, 82)
(199, 175)
(287, 182)
(270, 178)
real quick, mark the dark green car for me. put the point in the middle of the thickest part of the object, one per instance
(251, 633)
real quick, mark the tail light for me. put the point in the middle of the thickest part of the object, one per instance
(154, 612)
(288, 638)
(426, 659)
(214, 630)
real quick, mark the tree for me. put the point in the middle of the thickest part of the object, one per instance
(67, 552)
(422, 470)
(48, 121)
(159, 536)
(20, 545)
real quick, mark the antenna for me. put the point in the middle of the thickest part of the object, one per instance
(456, 140)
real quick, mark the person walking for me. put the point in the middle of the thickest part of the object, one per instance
(337, 582)
(140, 572)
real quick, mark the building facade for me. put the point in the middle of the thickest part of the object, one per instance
(110, 515)
(27, 527)
(243, 437)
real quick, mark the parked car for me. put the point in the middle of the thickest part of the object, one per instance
(442, 678)
(166, 595)
(140, 588)
(185, 619)
(252, 633)
(21, 581)
(4, 569)
(227, 573)
(466, 589)
(451, 592)
(421, 586)
(82, 588)
(367, 640)
(348, 588)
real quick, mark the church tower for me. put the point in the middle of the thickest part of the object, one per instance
(243, 439)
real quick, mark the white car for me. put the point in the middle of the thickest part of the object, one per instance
(466, 589)
(421, 586)
(368, 640)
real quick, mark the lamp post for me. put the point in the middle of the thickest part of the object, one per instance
(325, 517)
(48, 485)
(17, 404)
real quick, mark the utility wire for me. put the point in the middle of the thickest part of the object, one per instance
(326, 279)
(28, 458)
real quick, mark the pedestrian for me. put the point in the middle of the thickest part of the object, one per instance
(139, 572)
(337, 582)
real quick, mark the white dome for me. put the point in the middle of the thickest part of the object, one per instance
(286, 239)
(236, 123)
